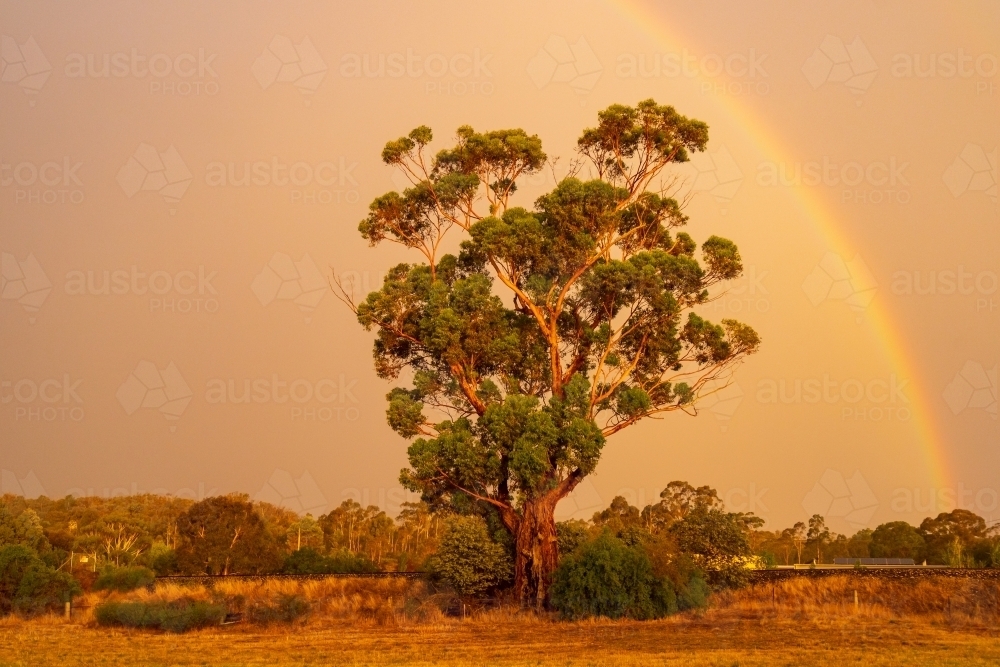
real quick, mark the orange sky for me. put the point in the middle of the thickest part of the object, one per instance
(853, 158)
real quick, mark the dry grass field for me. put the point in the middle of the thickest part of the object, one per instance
(797, 622)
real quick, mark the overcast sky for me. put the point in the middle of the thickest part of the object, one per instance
(179, 180)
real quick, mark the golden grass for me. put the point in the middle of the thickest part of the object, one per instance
(800, 622)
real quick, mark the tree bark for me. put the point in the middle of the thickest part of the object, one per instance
(536, 552)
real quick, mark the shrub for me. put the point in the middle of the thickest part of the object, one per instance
(606, 577)
(467, 558)
(162, 559)
(309, 561)
(694, 593)
(570, 535)
(175, 616)
(124, 579)
(285, 609)
(30, 586)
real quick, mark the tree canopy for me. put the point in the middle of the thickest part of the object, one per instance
(553, 327)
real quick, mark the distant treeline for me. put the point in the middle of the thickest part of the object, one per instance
(218, 535)
(233, 534)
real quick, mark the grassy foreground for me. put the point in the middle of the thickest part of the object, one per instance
(712, 640)
(795, 623)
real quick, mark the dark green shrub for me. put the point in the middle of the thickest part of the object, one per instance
(606, 577)
(174, 616)
(310, 561)
(124, 579)
(28, 585)
(571, 534)
(284, 609)
(162, 559)
(468, 559)
(694, 593)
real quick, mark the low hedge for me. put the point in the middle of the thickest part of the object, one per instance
(174, 616)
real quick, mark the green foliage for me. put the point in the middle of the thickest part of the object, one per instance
(694, 593)
(618, 516)
(714, 535)
(305, 532)
(896, 539)
(366, 531)
(468, 559)
(161, 559)
(605, 577)
(555, 325)
(224, 535)
(309, 561)
(107, 526)
(124, 579)
(28, 585)
(85, 524)
(571, 534)
(955, 538)
(676, 501)
(24, 528)
(178, 615)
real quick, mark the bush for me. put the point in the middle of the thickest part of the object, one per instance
(571, 534)
(124, 579)
(694, 593)
(162, 559)
(28, 585)
(285, 609)
(175, 616)
(606, 577)
(310, 561)
(468, 560)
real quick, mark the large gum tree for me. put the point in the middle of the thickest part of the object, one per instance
(553, 327)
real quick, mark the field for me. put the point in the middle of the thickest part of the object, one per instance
(796, 622)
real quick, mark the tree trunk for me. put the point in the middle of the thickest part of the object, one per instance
(537, 552)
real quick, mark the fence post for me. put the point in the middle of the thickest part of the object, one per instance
(855, 600)
(66, 609)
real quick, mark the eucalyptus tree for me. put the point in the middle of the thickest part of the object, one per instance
(553, 327)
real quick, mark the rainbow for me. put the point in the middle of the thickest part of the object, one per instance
(932, 442)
